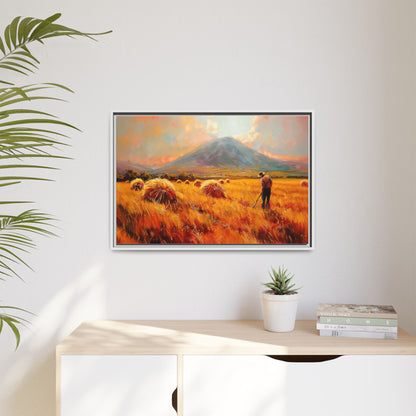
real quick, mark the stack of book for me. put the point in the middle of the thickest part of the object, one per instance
(357, 321)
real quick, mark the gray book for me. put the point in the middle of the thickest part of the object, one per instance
(365, 328)
(357, 334)
(344, 320)
(356, 311)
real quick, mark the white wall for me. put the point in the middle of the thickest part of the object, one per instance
(352, 62)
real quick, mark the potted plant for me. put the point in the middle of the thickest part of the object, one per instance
(280, 301)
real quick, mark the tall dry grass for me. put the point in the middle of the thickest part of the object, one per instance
(199, 219)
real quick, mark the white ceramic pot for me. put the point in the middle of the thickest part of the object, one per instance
(279, 311)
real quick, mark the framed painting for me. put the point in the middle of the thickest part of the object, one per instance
(212, 181)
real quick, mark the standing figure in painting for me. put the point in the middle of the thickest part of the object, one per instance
(266, 189)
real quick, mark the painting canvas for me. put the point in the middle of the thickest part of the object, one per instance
(212, 180)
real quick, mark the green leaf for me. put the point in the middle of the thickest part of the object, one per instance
(7, 37)
(43, 24)
(20, 156)
(11, 238)
(13, 320)
(11, 64)
(27, 54)
(18, 100)
(11, 68)
(16, 259)
(21, 28)
(59, 86)
(14, 329)
(26, 61)
(28, 29)
(29, 166)
(10, 92)
(2, 46)
(16, 309)
(24, 111)
(29, 130)
(13, 30)
(9, 183)
(15, 202)
(37, 121)
(23, 178)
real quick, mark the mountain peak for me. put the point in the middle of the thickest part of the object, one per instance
(224, 154)
(226, 139)
(222, 142)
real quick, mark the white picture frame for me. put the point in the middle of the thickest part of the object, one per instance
(308, 245)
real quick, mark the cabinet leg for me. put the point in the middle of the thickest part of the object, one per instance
(179, 389)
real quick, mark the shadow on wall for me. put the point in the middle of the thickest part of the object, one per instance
(28, 386)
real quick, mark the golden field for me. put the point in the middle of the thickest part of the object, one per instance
(199, 219)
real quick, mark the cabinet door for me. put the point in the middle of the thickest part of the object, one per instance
(259, 385)
(117, 385)
(353, 385)
(233, 385)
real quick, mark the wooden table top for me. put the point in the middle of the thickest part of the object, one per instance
(220, 337)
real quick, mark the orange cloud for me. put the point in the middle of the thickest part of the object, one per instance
(288, 158)
(284, 136)
(156, 140)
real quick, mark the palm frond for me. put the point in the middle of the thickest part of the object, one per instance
(22, 31)
(27, 135)
(13, 320)
(15, 236)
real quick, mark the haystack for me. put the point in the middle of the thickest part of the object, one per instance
(304, 183)
(197, 183)
(178, 181)
(160, 190)
(221, 182)
(186, 182)
(227, 181)
(213, 188)
(136, 184)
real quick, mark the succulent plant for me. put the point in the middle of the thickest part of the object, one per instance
(281, 282)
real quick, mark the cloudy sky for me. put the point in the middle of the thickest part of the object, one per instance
(156, 140)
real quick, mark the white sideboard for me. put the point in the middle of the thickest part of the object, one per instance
(223, 368)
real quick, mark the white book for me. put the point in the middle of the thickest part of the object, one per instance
(356, 328)
(357, 334)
